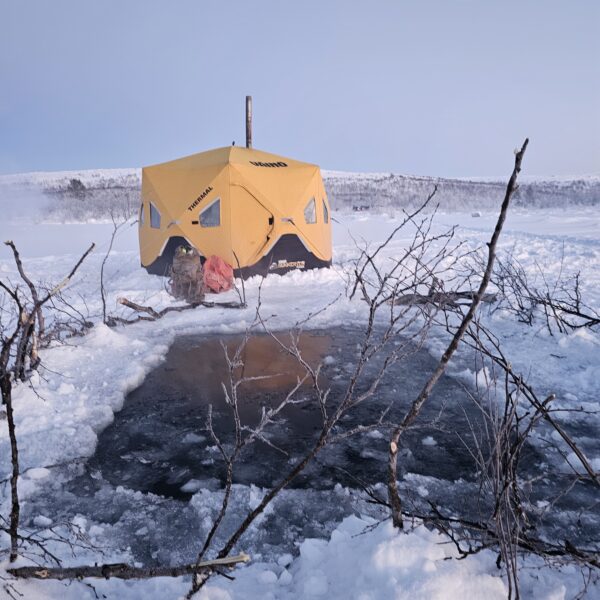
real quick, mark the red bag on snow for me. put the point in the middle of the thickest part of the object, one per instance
(218, 275)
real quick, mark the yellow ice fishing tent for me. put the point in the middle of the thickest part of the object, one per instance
(260, 212)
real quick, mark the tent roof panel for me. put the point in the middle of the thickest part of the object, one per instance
(284, 190)
(227, 155)
(177, 190)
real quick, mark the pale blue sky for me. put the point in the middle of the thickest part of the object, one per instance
(431, 87)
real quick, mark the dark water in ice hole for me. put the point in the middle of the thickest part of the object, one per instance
(158, 443)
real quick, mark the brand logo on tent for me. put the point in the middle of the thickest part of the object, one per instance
(284, 264)
(258, 163)
(199, 199)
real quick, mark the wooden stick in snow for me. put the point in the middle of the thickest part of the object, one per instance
(125, 571)
(155, 315)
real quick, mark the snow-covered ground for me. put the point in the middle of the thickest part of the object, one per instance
(84, 383)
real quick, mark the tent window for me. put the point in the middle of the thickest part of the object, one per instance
(211, 215)
(310, 212)
(154, 217)
(142, 213)
(325, 212)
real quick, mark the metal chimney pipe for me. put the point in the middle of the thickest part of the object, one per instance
(248, 121)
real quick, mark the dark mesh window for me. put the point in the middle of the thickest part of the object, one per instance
(211, 215)
(142, 213)
(310, 212)
(325, 212)
(154, 217)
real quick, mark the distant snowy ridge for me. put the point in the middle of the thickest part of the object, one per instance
(60, 180)
(388, 191)
(347, 191)
(95, 178)
(375, 175)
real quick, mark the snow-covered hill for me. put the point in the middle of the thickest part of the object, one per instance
(91, 195)
(389, 191)
(56, 181)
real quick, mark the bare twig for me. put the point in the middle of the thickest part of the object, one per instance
(417, 405)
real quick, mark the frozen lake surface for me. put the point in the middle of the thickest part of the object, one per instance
(112, 440)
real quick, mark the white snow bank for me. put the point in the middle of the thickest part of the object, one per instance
(359, 561)
(363, 563)
(59, 416)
